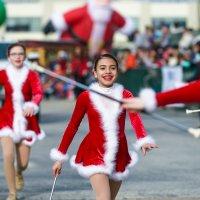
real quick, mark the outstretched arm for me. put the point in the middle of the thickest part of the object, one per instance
(149, 100)
(144, 141)
(58, 154)
(32, 107)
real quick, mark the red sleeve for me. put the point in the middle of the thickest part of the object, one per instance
(1, 77)
(135, 119)
(186, 94)
(72, 127)
(118, 19)
(36, 87)
(74, 16)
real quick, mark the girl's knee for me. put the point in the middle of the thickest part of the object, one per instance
(103, 196)
(23, 167)
(8, 156)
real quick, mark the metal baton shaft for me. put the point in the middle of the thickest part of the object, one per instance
(71, 81)
(52, 190)
(192, 111)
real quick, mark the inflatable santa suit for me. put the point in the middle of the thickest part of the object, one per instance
(93, 24)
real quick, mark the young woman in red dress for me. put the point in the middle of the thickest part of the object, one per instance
(19, 127)
(103, 155)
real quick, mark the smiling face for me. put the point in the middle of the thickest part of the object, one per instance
(106, 72)
(16, 56)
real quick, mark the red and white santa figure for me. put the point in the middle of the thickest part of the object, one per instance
(104, 149)
(22, 89)
(93, 23)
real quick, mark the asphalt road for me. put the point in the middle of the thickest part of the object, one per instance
(168, 173)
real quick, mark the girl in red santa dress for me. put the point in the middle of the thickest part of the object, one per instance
(19, 127)
(103, 155)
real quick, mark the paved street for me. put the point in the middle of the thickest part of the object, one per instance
(171, 172)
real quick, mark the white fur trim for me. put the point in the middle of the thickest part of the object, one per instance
(41, 135)
(100, 15)
(58, 156)
(109, 119)
(117, 176)
(32, 105)
(29, 134)
(128, 28)
(87, 171)
(148, 96)
(7, 132)
(145, 140)
(59, 22)
(19, 121)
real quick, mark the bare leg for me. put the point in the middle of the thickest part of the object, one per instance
(114, 188)
(23, 153)
(8, 147)
(100, 185)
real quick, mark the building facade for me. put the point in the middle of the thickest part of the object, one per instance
(26, 18)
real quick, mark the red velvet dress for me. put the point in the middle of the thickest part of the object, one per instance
(104, 148)
(22, 89)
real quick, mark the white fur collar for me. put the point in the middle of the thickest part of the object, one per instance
(109, 112)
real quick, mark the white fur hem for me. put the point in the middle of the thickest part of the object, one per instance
(58, 21)
(128, 28)
(87, 171)
(118, 176)
(146, 140)
(41, 136)
(32, 105)
(57, 155)
(148, 96)
(8, 132)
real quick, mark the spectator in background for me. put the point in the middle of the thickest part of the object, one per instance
(129, 60)
(186, 39)
(54, 86)
(79, 68)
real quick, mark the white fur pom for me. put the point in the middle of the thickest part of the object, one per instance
(148, 97)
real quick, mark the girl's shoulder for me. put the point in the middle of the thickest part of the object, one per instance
(127, 93)
(83, 95)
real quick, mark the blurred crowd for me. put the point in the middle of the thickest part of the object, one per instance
(156, 48)
(151, 49)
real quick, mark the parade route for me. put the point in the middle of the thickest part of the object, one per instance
(170, 172)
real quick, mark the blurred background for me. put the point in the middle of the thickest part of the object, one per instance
(161, 51)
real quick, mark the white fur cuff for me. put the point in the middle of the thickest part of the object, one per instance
(32, 105)
(146, 140)
(58, 156)
(148, 96)
(41, 136)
